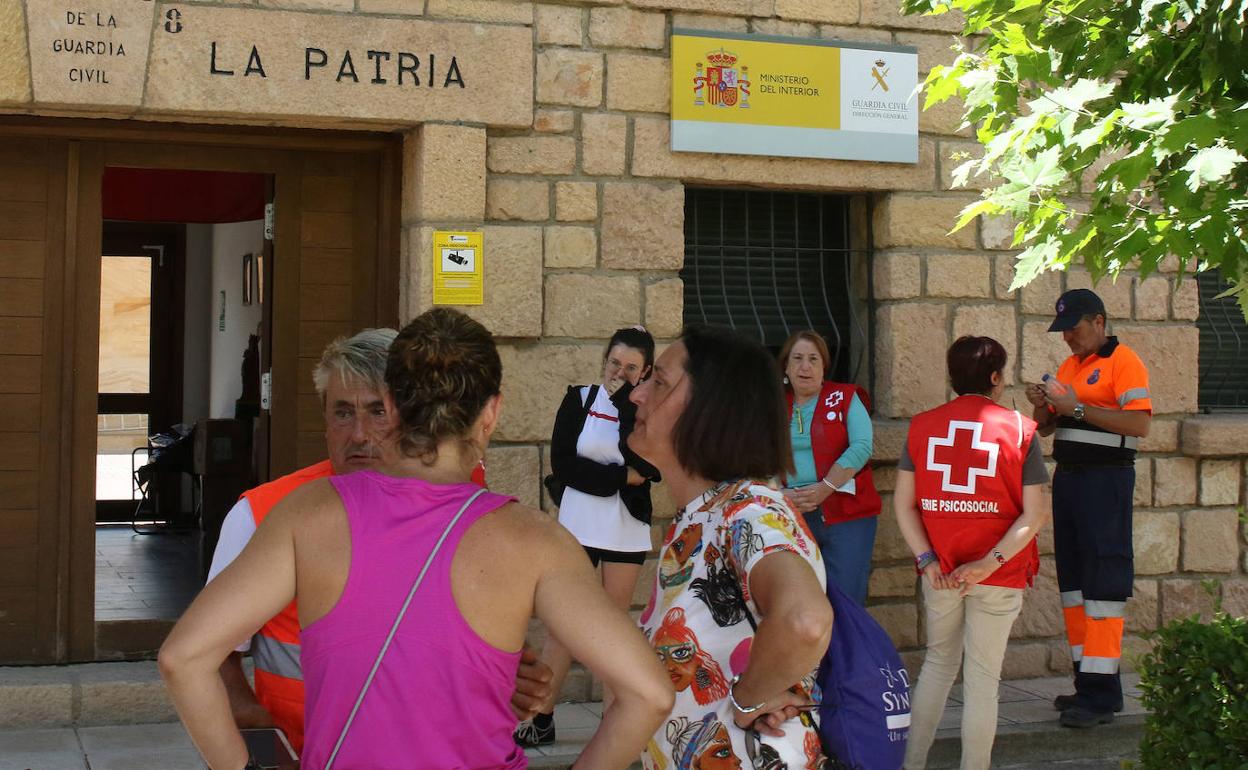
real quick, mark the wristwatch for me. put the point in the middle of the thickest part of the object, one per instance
(1078, 412)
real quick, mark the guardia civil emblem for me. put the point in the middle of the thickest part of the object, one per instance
(721, 83)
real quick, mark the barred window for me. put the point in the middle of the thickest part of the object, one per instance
(772, 263)
(1223, 348)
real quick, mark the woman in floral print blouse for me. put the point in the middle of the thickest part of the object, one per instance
(738, 617)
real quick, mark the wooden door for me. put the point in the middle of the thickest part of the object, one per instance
(334, 268)
(32, 236)
(338, 296)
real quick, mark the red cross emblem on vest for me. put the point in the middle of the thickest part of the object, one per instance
(962, 456)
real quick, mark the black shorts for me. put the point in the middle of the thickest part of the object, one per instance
(597, 555)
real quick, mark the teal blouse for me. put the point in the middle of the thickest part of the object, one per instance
(856, 455)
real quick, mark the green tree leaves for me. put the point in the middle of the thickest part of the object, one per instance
(1116, 130)
(1150, 114)
(1212, 164)
(1074, 98)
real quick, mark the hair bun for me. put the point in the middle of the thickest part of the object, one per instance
(442, 369)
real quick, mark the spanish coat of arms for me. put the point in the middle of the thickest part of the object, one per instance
(721, 83)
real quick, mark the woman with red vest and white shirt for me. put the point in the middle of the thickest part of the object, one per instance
(830, 430)
(969, 504)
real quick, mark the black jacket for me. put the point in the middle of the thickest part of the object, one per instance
(594, 478)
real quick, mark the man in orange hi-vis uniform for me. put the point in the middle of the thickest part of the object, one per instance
(350, 380)
(1098, 408)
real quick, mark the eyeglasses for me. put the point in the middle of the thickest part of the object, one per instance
(676, 653)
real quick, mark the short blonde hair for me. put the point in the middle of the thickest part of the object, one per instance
(361, 358)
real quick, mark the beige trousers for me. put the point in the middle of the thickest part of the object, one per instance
(969, 632)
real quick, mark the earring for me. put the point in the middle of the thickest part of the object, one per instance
(786, 379)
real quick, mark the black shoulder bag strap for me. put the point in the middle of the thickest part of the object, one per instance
(590, 397)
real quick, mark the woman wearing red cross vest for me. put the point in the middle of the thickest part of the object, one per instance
(830, 430)
(969, 503)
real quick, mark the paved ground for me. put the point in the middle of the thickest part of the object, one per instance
(1025, 710)
(151, 577)
(1070, 764)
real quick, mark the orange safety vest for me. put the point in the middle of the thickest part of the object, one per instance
(276, 648)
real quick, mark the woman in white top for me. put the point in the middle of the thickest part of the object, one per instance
(605, 490)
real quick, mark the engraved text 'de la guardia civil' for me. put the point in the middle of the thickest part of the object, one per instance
(79, 41)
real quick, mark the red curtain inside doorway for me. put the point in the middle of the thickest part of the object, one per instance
(200, 197)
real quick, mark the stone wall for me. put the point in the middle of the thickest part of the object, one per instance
(1190, 475)
(596, 179)
(582, 211)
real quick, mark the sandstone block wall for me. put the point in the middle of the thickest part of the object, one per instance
(608, 70)
(1189, 475)
(582, 213)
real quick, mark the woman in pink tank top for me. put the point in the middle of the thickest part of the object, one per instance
(350, 548)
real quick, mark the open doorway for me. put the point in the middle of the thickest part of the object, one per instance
(334, 270)
(184, 322)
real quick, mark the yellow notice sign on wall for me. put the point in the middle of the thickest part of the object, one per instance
(764, 95)
(458, 278)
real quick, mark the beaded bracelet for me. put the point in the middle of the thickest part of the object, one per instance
(922, 560)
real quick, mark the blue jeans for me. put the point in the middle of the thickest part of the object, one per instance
(846, 549)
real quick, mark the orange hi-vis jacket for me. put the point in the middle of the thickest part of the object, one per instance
(275, 648)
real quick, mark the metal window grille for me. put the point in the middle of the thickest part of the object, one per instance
(1223, 348)
(772, 263)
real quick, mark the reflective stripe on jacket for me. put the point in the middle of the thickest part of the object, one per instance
(275, 649)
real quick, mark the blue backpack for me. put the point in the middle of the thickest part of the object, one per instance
(864, 718)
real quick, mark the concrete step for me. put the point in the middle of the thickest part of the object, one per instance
(129, 693)
(165, 746)
(87, 694)
(1023, 746)
(1036, 742)
(1048, 742)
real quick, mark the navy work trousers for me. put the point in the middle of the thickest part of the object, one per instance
(1092, 508)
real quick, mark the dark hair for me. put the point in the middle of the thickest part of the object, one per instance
(442, 369)
(814, 338)
(734, 425)
(635, 337)
(972, 361)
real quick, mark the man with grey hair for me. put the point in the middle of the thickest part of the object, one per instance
(350, 380)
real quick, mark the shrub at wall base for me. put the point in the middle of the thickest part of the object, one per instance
(1195, 685)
